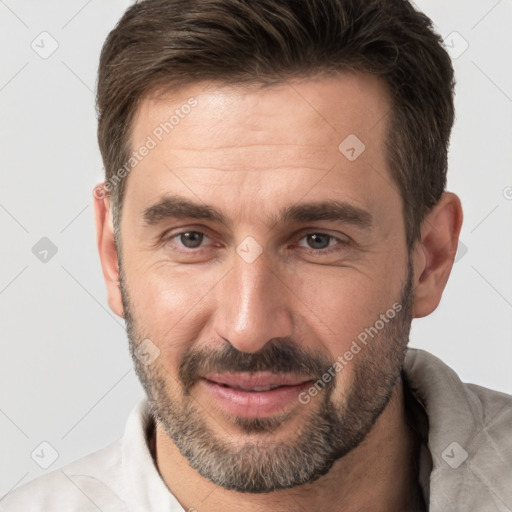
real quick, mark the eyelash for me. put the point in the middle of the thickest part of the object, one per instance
(341, 243)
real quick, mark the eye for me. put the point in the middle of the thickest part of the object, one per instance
(188, 239)
(321, 242)
(316, 242)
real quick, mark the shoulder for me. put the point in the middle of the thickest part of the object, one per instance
(439, 388)
(87, 484)
(469, 436)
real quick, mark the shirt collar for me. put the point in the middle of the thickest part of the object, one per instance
(145, 488)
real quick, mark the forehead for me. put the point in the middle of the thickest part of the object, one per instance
(258, 145)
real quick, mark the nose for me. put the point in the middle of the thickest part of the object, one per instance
(253, 305)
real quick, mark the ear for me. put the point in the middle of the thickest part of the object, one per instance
(107, 248)
(435, 253)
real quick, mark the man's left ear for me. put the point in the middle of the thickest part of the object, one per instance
(435, 253)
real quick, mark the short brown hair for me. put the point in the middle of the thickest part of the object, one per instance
(168, 43)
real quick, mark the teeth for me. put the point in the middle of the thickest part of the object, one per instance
(267, 388)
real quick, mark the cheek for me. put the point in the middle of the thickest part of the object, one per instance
(169, 304)
(174, 305)
(342, 302)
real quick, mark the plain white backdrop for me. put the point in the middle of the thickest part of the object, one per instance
(66, 377)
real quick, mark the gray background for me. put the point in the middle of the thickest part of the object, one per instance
(65, 376)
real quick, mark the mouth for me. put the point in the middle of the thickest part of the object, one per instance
(255, 395)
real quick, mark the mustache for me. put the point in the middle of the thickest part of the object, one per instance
(279, 355)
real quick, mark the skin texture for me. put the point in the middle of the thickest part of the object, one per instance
(249, 152)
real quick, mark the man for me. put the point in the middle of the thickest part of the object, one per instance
(273, 216)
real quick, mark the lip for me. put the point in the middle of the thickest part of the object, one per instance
(248, 381)
(232, 393)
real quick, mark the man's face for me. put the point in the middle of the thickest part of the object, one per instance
(241, 291)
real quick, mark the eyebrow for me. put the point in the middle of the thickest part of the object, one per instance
(177, 207)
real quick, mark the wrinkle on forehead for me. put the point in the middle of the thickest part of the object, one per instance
(224, 148)
(296, 112)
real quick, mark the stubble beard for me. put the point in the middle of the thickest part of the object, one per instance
(331, 428)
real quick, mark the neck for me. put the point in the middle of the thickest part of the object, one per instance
(378, 475)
